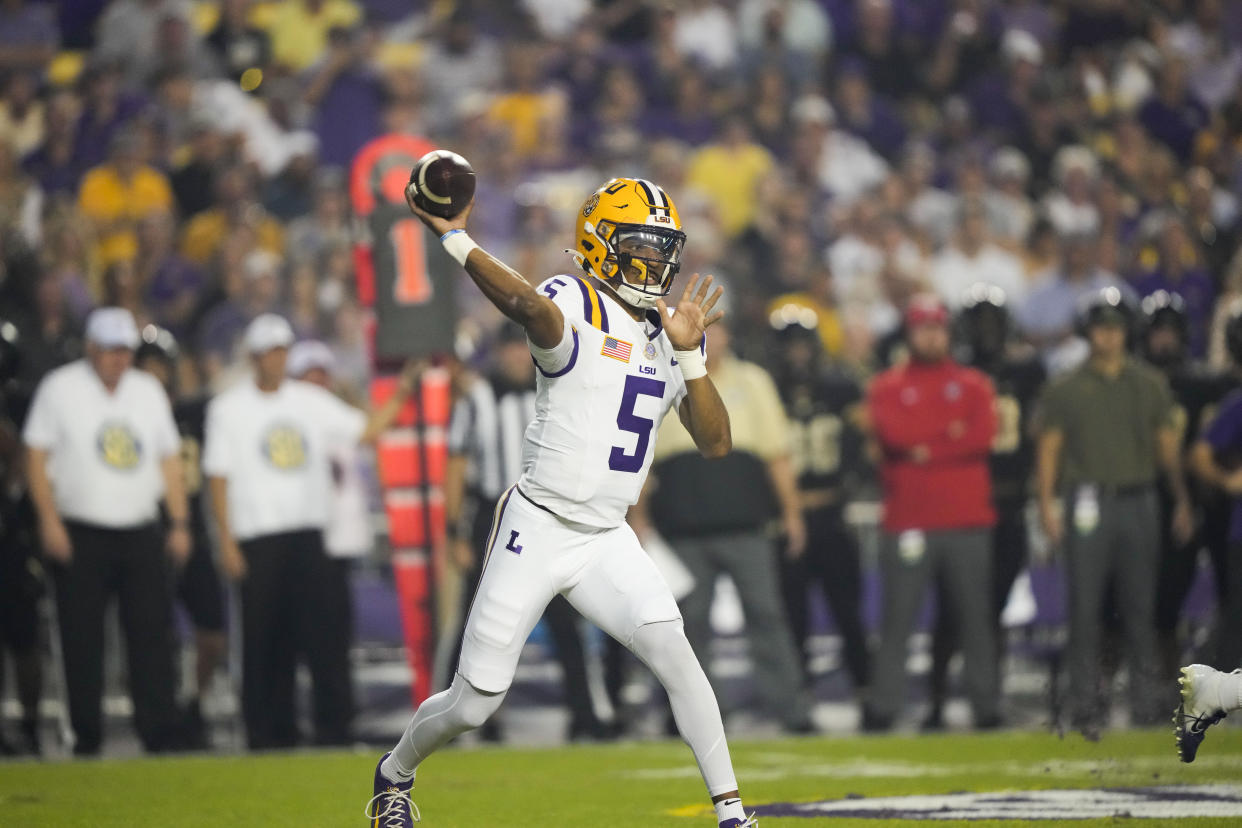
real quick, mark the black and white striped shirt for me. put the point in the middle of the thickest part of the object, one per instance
(487, 427)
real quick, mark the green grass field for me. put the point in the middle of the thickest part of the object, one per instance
(649, 784)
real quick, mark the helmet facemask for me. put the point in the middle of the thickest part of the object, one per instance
(642, 261)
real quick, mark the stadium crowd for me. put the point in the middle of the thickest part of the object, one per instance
(831, 159)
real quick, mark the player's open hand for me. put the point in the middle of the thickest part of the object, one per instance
(694, 313)
(438, 225)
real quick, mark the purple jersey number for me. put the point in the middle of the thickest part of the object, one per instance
(551, 291)
(627, 420)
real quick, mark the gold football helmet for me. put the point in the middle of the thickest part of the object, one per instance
(629, 237)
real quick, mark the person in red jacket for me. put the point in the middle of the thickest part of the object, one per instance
(932, 421)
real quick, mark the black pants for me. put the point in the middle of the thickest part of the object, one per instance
(832, 561)
(283, 619)
(1009, 555)
(333, 686)
(132, 564)
(562, 621)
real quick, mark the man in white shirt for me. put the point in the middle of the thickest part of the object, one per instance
(347, 537)
(102, 451)
(267, 458)
(973, 259)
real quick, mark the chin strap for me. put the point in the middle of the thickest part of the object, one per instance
(579, 260)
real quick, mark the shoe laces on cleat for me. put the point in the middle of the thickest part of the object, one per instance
(750, 822)
(394, 807)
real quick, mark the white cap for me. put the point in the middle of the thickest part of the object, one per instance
(1021, 45)
(813, 109)
(112, 328)
(308, 355)
(268, 331)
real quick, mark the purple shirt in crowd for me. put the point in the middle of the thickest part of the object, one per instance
(1224, 435)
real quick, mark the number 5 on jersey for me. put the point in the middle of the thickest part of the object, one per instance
(627, 420)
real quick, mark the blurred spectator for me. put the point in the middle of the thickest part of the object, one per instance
(172, 285)
(1213, 59)
(1106, 430)
(973, 259)
(21, 113)
(706, 33)
(966, 45)
(1070, 207)
(713, 512)
(865, 114)
(251, 289)
(824, 406)
(28, 35)
(458, 62)
(102, 451)
(1178, 269)
(195, 168)
(689, 115)
(346, 93)
(729, 172)
(299, 29)
(235, 208)
(932, 210)
(999, 101)
(933, 422)
(327, 225)
(1010, 211)
(846, 166)
(106, 109)
(239, 46)
(885, 53)
(523, 106)
(51, 336)
(118, 194)
(55, 164)
(1174, 116)
(795, 33)
(21, 199)
(1212, 219)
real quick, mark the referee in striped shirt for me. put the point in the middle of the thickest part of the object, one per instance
(485, 458)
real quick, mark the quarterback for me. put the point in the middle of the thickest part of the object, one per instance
(612, 360)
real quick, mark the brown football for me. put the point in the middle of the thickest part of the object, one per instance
(442, 183)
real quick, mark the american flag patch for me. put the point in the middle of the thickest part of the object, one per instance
(616, 348)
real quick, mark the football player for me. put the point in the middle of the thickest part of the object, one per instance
(1165, 343)
(198, 582)
(824, 406)
(612, 360)
(984, 329)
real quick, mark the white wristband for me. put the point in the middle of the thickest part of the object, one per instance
(458, 244)
(692, 364)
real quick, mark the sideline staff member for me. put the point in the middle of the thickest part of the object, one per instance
(268, 463)
(1106, 431)
(102, 450)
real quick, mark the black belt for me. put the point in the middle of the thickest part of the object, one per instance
(1120, 490)
(527, 498)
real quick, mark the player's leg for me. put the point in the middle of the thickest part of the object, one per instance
(202, 595)
(516, 585)
(620, 590)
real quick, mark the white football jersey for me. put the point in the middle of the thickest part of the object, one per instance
(602, 394)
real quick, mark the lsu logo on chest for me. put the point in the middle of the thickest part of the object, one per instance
(284, 446)
(118, 446)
